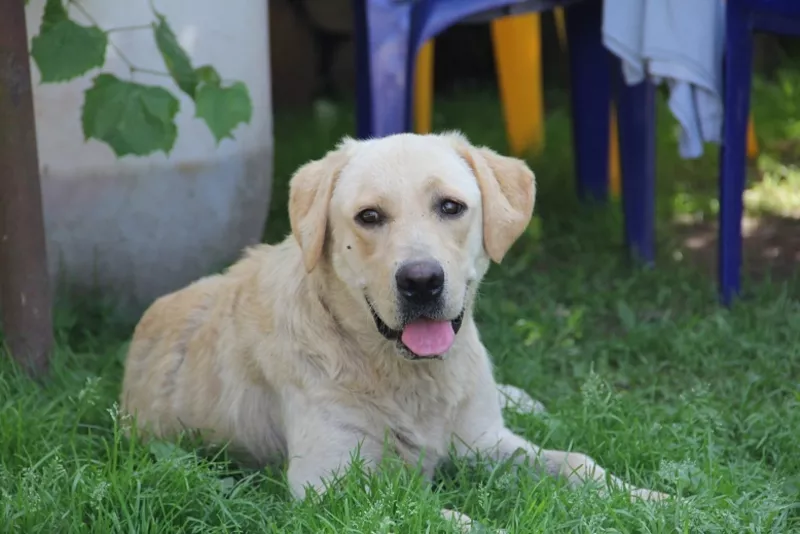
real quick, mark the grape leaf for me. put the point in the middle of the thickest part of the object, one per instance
(208, 74)
(54, 12)
(64, 50)
(175, 57)
(223, 108)
(131, 118)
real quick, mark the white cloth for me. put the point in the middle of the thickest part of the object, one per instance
(680, 42)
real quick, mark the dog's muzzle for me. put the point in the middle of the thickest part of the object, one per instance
(422, 337)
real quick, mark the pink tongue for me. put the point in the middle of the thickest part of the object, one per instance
(426, 338)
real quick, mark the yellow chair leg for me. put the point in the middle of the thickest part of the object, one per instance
(614, 171)
(517, 50)
(423, 89)
(752, 141)
(561, 27)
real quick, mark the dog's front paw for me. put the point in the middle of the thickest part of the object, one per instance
(648, 495)
(467, 525)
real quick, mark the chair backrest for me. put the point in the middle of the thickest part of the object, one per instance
(771, 8)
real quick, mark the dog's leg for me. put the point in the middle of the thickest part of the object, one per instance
(318, 461)
(575, 467)
(323, 440)
(323, 459)
(479, 429)
(304, 475)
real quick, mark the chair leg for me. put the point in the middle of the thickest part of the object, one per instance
(738, 78)
(423, 89)
(637, 132)
(382, 88)
(752, 140)
(517, 51)
(591, 96)
(561, 28)
(363, 94)
(614, 168)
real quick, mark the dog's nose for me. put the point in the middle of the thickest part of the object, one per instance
(420, 282)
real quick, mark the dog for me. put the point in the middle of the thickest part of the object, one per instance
(357, 330)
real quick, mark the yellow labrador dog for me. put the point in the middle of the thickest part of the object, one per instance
(358, 327)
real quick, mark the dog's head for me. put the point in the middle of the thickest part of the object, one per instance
(409, 224)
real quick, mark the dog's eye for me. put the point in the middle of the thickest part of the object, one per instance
(451, 207)
(369, 217)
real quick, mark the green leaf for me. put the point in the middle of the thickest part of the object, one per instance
(208, 74)
(175, 57)
(223, 108)
(64, 50)
(131, 118)
(54, 12)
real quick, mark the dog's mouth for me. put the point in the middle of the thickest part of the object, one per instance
(423, 337)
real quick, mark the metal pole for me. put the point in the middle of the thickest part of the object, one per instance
(25, 295)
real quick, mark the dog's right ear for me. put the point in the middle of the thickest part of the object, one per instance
(508, 191)
(310, 191)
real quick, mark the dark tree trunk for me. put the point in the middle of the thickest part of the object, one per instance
(25, 296)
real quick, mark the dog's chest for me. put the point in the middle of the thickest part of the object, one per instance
(420, 426)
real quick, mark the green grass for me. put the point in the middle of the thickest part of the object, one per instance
(638, 367)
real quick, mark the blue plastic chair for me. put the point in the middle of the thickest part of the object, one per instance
(743, 18)
(389, 34)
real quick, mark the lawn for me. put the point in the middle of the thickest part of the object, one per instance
(639, 368)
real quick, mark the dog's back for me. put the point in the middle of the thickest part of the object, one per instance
(191, 345)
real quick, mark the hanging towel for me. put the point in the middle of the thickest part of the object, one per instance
(679, 42)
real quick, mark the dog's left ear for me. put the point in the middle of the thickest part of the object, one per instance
(310, 191)
(508, 190)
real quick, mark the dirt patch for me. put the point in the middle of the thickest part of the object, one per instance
(771, 245)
